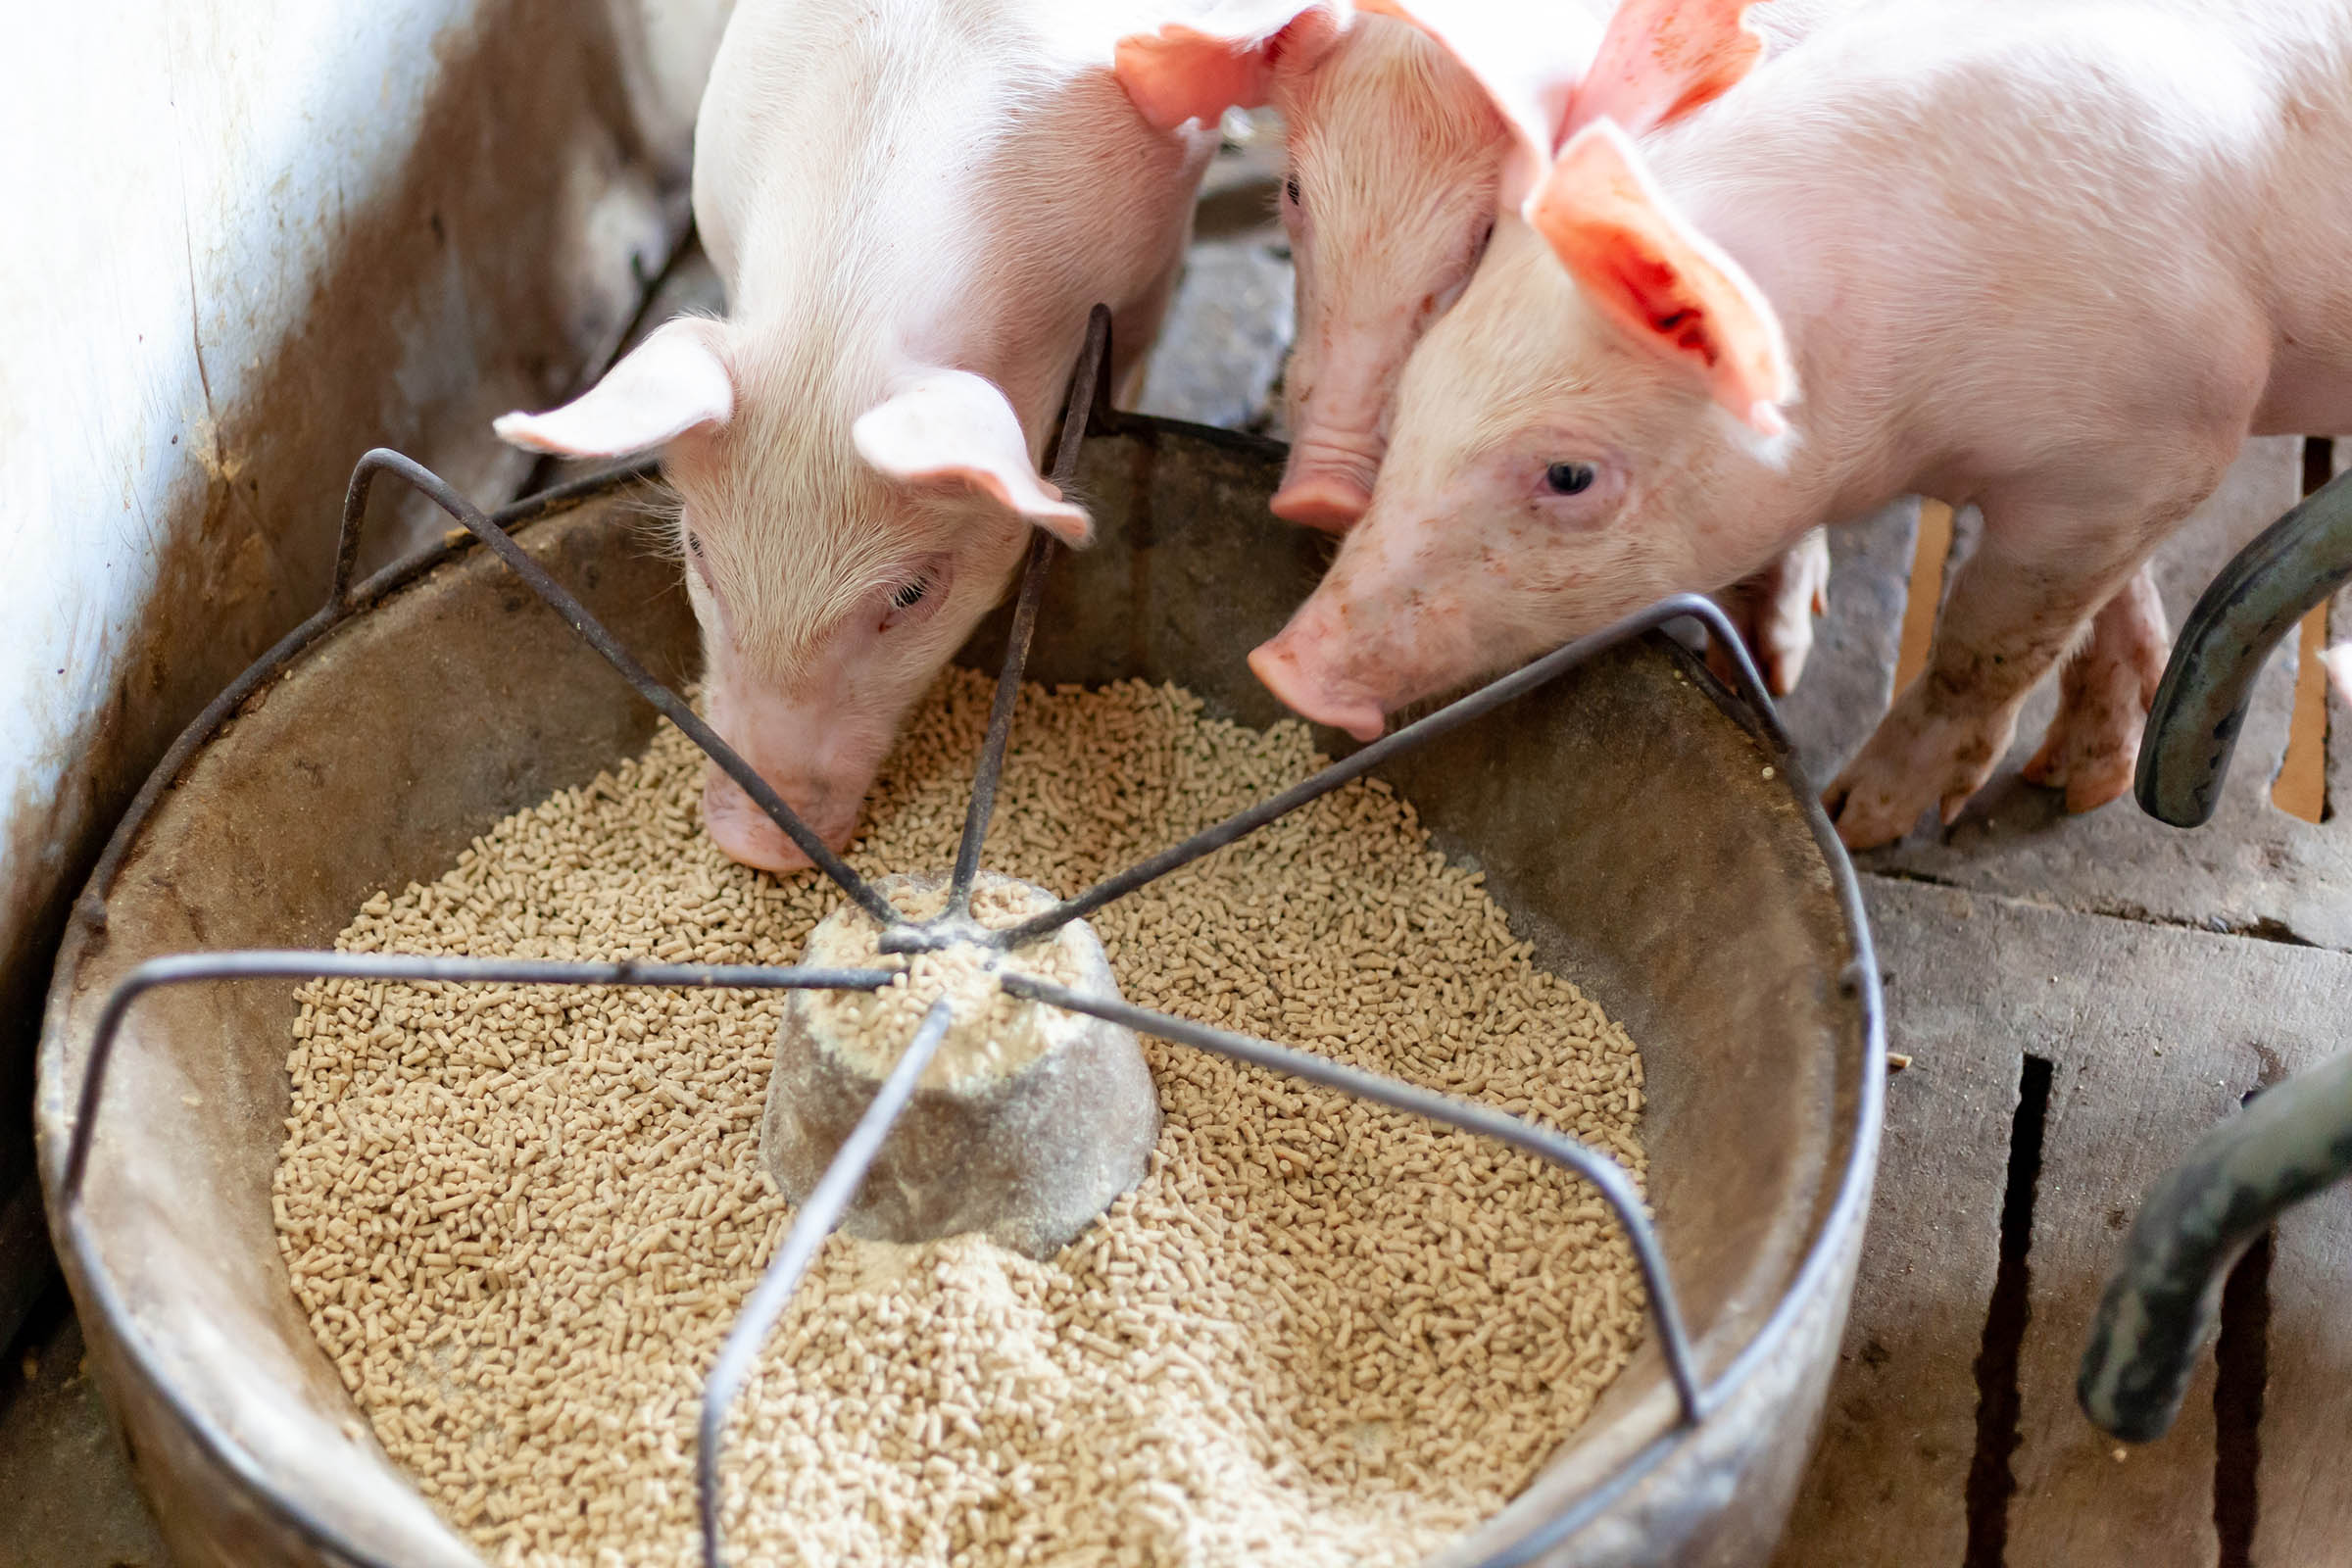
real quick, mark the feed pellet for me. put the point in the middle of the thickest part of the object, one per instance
(523, 1218)
(993, 1035)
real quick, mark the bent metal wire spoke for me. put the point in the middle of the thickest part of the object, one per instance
(817, 1215)
(344, 599)
(810, 1228)
(1084, 382)
(1452, 717)
(592, 632)
(1605, 1173)
(303, 963)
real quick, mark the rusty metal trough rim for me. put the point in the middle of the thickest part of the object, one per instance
(1858, 984)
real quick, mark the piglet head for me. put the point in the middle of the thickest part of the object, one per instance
(1407, 122)
(1395, 158)
(1572, 441)
(1394, 152)
(833, 566)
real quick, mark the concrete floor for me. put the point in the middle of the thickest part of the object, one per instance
(66, 1495)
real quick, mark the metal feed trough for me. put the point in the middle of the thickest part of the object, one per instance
(1649, 830)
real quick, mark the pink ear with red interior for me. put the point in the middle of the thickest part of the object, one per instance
(1227, 59)
(1666, 284)
(1661, 59)
(1549, 69)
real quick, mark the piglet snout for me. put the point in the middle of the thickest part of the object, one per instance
(1328, 482)
(745, 833)
(1292, 667)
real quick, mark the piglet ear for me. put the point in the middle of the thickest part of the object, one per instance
(1661, 59)
(668, 385)
(1550, 69)
(954, 428)
(1659, 278)
(1226, 58)
(1529, 57)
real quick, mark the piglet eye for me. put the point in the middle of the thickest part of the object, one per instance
(692, 543)
(909, 595)
(1290, 189)
(1569, 478)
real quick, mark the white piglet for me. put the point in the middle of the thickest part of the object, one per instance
(2056, 258)
(1394, 155)
(1397, 160)
(912, 205)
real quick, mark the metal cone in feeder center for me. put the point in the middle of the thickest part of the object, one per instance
(1027, 1122)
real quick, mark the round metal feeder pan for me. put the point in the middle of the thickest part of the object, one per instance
(1653, 839)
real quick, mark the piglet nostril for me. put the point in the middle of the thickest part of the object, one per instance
(745, 833)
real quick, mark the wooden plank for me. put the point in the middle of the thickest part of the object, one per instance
(1888, 1485)
(2339, 718)
(2154, 1033)
(2303, 1491)
(2138, 1073)
(1931, 567)
(2301, 789)
(2304, 1487)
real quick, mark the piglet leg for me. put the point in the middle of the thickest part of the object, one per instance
(2013, 612)
(2092, 744)
(1774, 610)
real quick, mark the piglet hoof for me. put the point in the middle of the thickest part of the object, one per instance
(1774, 610)
(2090, 749)
(1917, 758)
(2092, 769)
(2092, 745)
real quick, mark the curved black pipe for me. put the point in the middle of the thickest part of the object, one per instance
(2292, 1141)
(2266, 589)
(2296, 1138)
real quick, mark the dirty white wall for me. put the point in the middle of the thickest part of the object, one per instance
(246, 241)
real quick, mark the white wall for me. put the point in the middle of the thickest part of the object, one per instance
(245, 240)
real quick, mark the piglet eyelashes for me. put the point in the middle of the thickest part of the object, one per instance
(916, 596)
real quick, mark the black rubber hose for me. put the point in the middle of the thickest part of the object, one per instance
(2266, 589)
(2292, 1141)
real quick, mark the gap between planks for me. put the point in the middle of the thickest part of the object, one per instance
(2154, 1034)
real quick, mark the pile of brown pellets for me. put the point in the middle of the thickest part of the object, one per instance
(521, 1219)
